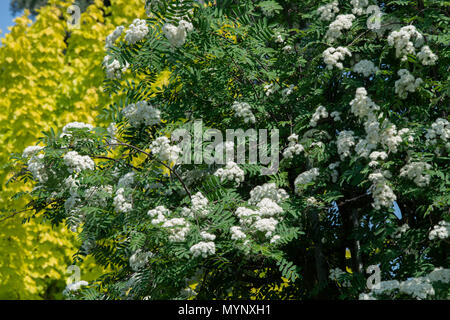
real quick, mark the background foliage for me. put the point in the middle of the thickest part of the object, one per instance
(49, 76)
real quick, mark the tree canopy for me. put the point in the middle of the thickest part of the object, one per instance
(354, 98)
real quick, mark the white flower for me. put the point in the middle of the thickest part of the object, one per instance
(382, 193)
(333, 57)
(359, 6)
(344, 142)
(141, 113)
(199, 204)
(66, 131)
(231, 172)
(77, 162)
(414, 171)
(236, 233)
(406, 83)
(113, 36)
(120, 203)
(139, 259)
(440, 275)
(178, 229)
(207, 236)
(114, 69)
(161, 147)
(31, 150)
(427, 57)
(362, 105)
(159, 214)
(386, 287)
(267, 190)
(439, 129)
(342, 22)
(365, 67)
(203, 249)
(328, 11)
(275, 239)
(419, 288)
(243, 110)
(267, 207)
(177, 35)
(127, 180)
(320, 112)
(294, 148)
(402, 40)
(136, 31)
(266, 225)
(336, 115)
(269, 89)
(305, 177)
(440, 231)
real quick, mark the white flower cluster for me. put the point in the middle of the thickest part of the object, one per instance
(141, 113)
(136, 31)
(243, 110)
(402, 40)
(390, 138)
(139, 258)
(328, 11)
(359, 6)
(31, 150)
(440, 231)
(35, 163)
(337, 275)
(120, 203)
(333, 56)
(269, 89)
(304, 178)
(126, 180)
(207, 236)
(320, 112)
(113, 36)
(294, 148)
(231, 172)
(265, 218)
(362, 106)
(112, 131)
(414, 171)
(419, 288)
(406, 83)
(427, 57)
(440, 129)
(336, 115)
(203, 249)
(382, 193)
(267, 190)
(199, 206)
(74, 125)
(342, 22)
(344, 142)
(440, 275)
(365, 67)
(334, 172)
(178, 228)
(177, 35)
(165, 152)
(114, 69)
(236, 233)
(77, 162)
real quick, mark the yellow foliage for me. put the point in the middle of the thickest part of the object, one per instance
(49, 76)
